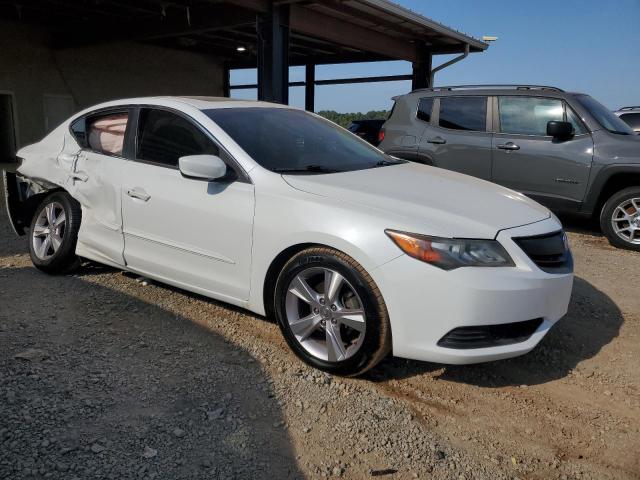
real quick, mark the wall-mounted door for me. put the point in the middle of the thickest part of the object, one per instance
(7, 129)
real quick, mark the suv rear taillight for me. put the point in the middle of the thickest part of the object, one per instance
(381, 135)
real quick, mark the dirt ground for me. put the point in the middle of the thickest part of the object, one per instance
(102, 376)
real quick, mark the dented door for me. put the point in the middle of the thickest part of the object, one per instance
(93, 159)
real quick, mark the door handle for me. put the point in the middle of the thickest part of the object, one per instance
(508, 146)
(80, 176)
(139, 194)
(437, 141)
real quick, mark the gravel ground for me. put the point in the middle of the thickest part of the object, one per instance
(103, 376)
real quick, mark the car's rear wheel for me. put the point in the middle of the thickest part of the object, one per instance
(331, 312)
(620, 219)
(54, 234)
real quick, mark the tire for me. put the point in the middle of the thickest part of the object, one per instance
(58, 257)
(352, 314)
(627, 202)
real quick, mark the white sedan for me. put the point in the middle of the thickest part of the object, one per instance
(356, 254)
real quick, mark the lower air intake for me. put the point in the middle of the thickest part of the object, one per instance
(483, 336)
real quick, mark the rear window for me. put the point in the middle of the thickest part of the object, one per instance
(463, 113)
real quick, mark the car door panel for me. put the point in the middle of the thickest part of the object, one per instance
(194, 232)
(190, 232)
(465, 149)
(553, 172)
(94, 180)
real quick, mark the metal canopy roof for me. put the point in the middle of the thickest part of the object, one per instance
(322, 31)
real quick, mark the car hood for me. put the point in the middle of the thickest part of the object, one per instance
(428, 200)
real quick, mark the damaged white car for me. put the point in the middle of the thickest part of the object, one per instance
(279, 211)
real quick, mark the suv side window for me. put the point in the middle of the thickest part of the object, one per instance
(463, 113)
(164, 137)
(425, 106)
(631, 119)
(573, 119)
(529, 115)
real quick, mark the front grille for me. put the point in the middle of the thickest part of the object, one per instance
(483, 336)
(548, 251)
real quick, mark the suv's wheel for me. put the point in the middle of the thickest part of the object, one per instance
(54, 233)
(620, 219)
(331, 312)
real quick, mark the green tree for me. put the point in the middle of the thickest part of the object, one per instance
(345, 119)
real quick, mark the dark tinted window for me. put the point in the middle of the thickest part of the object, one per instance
(632, 119)
(164, 137)
(463, 113)
(79, 129)
(529, 115)
(572, 117)
(282, 139)
(424, 109)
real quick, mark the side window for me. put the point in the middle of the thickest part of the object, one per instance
(164, 137)
(424, 109)
(528, 115)
(105, 133)
(79, 130)
(631, 119)
(463, 113)
(573, 119)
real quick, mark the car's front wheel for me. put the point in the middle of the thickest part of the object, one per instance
(331, 312)
(54, 233)
(620, 219)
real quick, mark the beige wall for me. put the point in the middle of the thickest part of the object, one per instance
(30, 70)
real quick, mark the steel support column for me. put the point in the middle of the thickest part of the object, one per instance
(226, 81)
(422, 69)
(310, 88)
(273, 54)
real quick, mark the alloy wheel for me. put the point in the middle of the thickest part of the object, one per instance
(626, 220)
(48, 231)
(325, 314)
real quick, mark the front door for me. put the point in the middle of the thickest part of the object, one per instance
(458, 138)
(551, 171)
(187, 232)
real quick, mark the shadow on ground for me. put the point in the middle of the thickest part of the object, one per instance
(592, 322)
(120, 388)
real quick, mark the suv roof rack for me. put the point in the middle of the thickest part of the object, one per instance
(637, 107)
(488, 87)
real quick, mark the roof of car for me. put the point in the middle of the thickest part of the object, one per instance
(472, 90)
(201, 103)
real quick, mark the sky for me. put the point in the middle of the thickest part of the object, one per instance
(591, 46)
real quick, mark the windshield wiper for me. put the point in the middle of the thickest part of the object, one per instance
(305, 169)
(384, 163)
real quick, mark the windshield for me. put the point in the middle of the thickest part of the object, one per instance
(293, 141)
(603, 116)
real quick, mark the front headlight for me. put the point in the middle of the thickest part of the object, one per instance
(450, 253)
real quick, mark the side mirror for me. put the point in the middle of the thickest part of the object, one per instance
(560, 130)
(204, 167)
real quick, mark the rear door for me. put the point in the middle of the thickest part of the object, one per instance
(551, 171)
(94, 158)
(188, 232)
(458, 137)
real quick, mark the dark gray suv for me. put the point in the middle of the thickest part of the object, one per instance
(565, 150)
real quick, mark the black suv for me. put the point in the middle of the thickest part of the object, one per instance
(565, 150)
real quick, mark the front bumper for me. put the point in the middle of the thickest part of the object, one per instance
(425, 303)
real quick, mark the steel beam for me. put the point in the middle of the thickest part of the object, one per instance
(422, 69)
(273, 54)
(310, 88)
